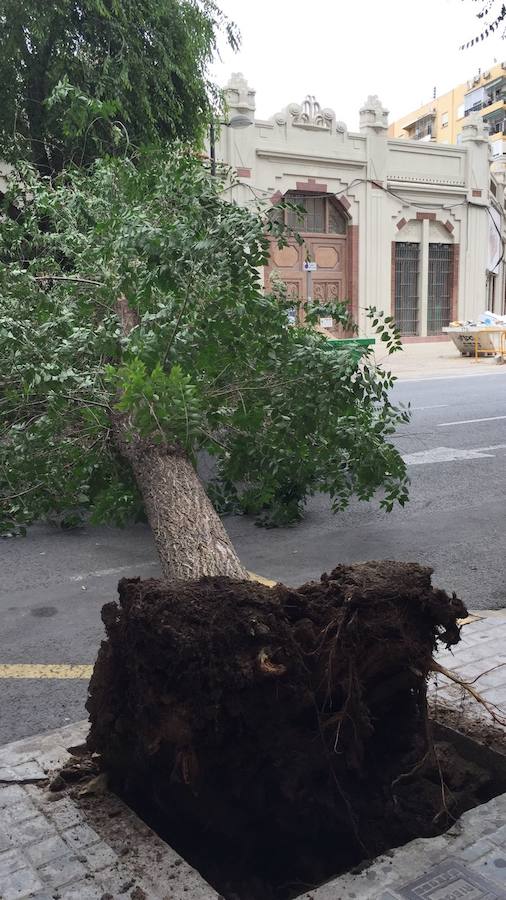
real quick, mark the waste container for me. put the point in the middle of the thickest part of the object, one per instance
(359, 346)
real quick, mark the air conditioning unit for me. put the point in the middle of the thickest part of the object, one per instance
(486, 75)
(476, 79)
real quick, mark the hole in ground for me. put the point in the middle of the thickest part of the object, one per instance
(467, 773)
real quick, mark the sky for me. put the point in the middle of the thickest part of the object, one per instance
(343, 50)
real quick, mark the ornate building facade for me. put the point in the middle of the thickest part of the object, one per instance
(415, 229)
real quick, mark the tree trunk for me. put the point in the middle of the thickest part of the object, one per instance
(189, 535)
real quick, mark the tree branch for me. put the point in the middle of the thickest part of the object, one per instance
(72, 280)
(34, 487)
(178, 320)
(85, 401)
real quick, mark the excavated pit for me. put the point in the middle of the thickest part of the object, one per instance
(277, 737)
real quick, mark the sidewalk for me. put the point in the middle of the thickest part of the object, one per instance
(434, 359)
(54, 848)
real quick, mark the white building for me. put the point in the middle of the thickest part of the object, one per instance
(415, 229)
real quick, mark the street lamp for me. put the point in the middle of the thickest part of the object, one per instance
(235, 122)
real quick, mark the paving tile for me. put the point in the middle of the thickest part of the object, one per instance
(33, 830)
(451, 879)
(83, 890)
(11, 794)
(29, 769)
(494, 867)
(80, 836)
(21, 884)
(5, 840)
(45, 851)
(475, 851)
(65, 813)
(19, 812)
(19, 752)
(499, 836)
(61, 871)
(100, 856)
(11, 861)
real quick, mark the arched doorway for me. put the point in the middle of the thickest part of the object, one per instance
(324, 229)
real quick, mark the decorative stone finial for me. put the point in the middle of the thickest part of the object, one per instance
(475, 129)
(373, 114)
(239, 96)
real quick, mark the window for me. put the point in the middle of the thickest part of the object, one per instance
(321, 214)
(440, 287)
(444, 120)
(406, 302)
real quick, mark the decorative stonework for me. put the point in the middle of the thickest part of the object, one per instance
(239, 96)
(475, 129)
(309, 114)
(373, 114)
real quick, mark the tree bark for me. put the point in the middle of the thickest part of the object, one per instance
(189, 535)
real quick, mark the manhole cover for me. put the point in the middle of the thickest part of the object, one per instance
(449, 881)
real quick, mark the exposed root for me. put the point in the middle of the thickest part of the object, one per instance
(468, 687)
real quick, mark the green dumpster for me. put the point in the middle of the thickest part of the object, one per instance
(358, 345)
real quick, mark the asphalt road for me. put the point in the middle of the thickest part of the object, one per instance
(53, 583)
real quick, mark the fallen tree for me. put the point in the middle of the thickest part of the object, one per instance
(276, 728)
(135, 334)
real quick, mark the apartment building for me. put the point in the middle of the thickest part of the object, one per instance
(443, 118)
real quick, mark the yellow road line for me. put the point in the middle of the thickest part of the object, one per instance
(44, 671)
(261, 579)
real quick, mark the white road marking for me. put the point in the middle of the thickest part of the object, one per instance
(401, 380)
(450, 454)
(470, 421)
(99, 573)
(434, 406)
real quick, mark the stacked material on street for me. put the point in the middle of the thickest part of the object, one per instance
(280, 729)
(487, 336)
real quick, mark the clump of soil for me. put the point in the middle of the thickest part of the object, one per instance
(274, 736)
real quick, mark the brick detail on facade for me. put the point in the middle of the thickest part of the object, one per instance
(344, 202)
(426, 215)
(242, 172)
(392, 281)
(352, 250)
(476, 192)
(455, 283)
(401, 223)
(311, 185)
(276, 197)
(449, 227)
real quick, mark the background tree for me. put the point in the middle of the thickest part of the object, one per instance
(79, 75)
(134, 333)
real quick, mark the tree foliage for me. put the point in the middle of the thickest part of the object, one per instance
(211, 365)
(492, 16)
(81, 77)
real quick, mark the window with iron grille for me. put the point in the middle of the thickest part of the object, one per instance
(439, 300)
(321, 216)
(406, 305)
